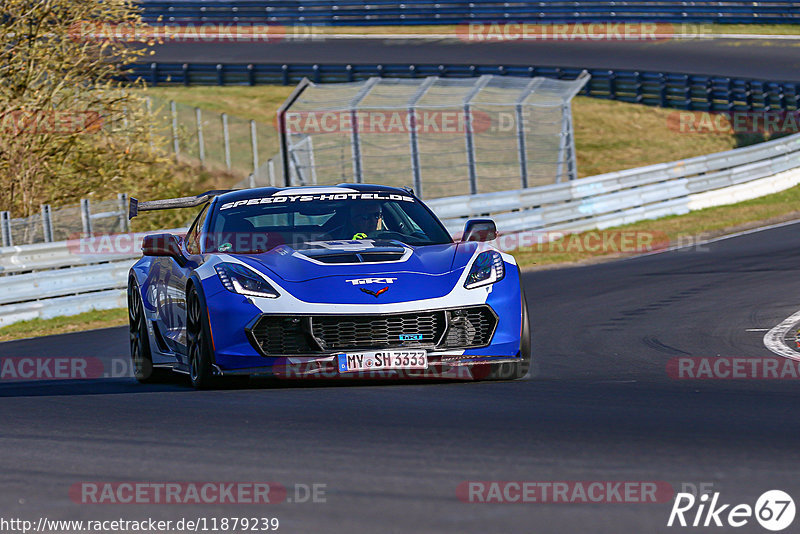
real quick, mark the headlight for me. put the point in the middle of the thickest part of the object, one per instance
(239, 279)
(487, 268)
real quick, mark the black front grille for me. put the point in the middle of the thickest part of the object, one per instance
(277, 335)
(470, 327)
(382, 331)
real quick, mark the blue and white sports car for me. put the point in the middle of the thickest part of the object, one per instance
(335, 282)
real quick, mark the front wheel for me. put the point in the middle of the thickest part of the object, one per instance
(520, 368)
(198, 341)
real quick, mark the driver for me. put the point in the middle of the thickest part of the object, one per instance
(365, 218)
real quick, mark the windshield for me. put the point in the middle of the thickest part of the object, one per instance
(262, 223)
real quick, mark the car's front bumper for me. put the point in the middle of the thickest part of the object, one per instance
(231, 315)
(440, 367)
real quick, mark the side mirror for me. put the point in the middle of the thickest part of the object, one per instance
(163, 245)
(479, 230)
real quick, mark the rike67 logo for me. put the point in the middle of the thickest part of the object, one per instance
(774, 510)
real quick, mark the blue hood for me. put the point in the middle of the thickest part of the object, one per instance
(429, 272)
(307, 263)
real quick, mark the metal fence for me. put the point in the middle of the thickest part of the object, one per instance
(673, 90)
(440, 135)
(69, 222)
(377, 12)
(216, 141)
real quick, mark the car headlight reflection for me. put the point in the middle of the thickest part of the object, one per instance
(487, 268)
(239, 279)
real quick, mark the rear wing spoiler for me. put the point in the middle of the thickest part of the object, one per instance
(170, 203)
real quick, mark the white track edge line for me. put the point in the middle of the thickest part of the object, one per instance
(773, 339)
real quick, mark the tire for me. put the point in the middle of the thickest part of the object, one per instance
(198, 338)
(518, 369)
(525, 349)
(141, 357)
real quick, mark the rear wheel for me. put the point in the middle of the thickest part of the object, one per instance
(198, 342)
(141, 357)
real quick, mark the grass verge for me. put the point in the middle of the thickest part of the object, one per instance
(62, 325)
(686, 229)
(609, 135)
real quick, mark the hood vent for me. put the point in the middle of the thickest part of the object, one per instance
(354, 257)
(354, 254)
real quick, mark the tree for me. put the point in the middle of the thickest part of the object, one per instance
(69, 125)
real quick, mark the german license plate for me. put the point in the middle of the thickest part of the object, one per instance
(381, 360)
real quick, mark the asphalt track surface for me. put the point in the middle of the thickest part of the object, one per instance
(771, 60)
(600, 407)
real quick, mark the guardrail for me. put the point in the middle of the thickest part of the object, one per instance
(410, 12)
(673, 90)
(64, 282)
(80, 251)
(56, 307)
(67, 277)
(44, 256)
(97, 280)
(624, 197)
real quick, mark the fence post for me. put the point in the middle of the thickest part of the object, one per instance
(521, 145)
(283, 134)
(522, 150)
(201, 147)
(5, 228)
(271, 167)
(47, 223)
(86, 217)
(149, 106)
(412, 132)
(122, 201)
(566, 145)
(355, 140)
(311, 162)
(226, 140)
(175, 146)
(468, 138)
(572, 171)
(355, 145)
(254, 147)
